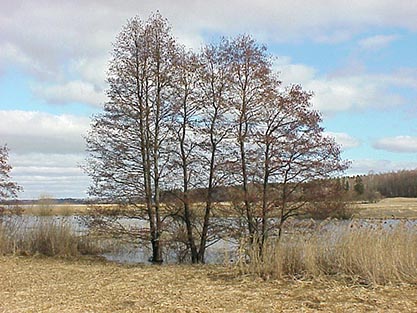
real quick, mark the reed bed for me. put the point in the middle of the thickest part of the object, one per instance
(50, 237)
(376, 255)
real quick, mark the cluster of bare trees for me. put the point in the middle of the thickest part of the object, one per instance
(179, 121)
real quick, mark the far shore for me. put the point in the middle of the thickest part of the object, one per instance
(388, 208)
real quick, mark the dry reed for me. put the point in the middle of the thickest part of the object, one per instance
(376, 255)
(51, 237)
(85, 285)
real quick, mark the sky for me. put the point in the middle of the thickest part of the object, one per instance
(358, 57)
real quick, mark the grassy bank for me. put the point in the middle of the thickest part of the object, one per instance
(56, 285)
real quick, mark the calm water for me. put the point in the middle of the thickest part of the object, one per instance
(122, 251)
(222, 251)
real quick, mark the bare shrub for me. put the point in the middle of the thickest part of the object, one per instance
(334, 208)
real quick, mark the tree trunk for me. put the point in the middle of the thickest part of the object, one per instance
(265, 184)
(207, 213)
(248, 210)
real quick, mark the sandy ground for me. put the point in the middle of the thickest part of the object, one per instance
(54, 285)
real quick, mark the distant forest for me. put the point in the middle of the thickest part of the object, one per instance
(370, 187)
(385, 185)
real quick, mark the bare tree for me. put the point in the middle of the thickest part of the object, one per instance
(126, 142)
(8, 188)
(215, 129)
(250, 81)
(200, 128)
(294, 152)
(184, 163)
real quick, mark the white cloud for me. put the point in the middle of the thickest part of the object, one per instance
(26, 131)
(347, 91)
(353, 92)
(406, 144)
(290, 73)
(46, 152)
(344, 140)
(73, 91)
(69, 186)
(364, 166)
(403, 77)
(54, 174)
(12, 54)
(377, 42)
(51, 32)
(328, 21)
(92, 70)
(49, 160)
(58, 37)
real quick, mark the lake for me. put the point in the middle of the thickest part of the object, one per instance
(222, 251)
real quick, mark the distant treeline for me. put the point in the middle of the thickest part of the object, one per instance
(361, 187)
(388, 185)
(370, 187)
(394, 184)
(37, 201)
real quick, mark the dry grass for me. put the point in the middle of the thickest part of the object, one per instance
(53, 285)
(54, 209)
(388, 208)
(47, 237)
(377, 255)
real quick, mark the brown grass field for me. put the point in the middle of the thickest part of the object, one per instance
(56, 285)
(388, 208)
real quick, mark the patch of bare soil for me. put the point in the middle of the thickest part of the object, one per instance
(54, 285)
